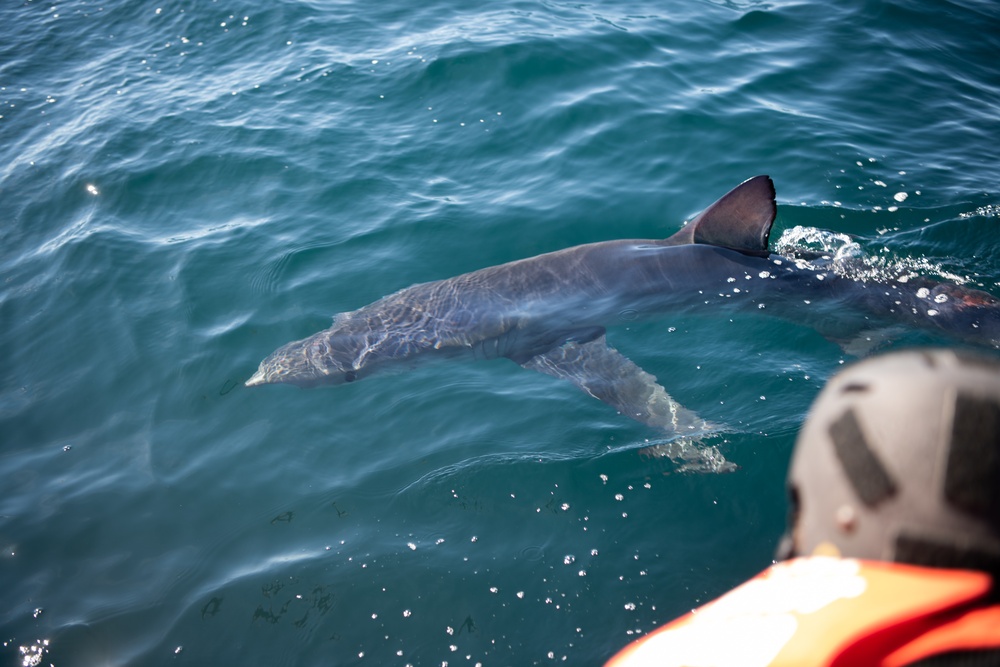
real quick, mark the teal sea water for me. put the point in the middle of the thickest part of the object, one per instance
(185, 186)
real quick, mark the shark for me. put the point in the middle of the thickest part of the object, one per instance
(549, 313)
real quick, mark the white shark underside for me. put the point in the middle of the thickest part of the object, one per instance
(548, 313)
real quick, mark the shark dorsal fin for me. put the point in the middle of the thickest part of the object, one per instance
(740, 220)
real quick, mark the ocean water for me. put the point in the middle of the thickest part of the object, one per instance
(186, 186)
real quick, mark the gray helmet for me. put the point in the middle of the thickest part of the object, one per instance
(899, 460)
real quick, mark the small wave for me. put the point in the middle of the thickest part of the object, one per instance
(222, 230)
(988, 211)
(823, 250)
(448, 472)
(270, 275)
(798, 241)
(266, 278)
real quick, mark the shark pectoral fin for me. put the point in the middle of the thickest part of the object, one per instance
(689, 456)
(869, 341)
(607, 375)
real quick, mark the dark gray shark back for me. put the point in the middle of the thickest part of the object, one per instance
(548, 313)
(527, 307)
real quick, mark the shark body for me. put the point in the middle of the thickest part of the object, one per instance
(548, 313)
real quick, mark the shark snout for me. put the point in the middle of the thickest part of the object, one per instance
(260, 377)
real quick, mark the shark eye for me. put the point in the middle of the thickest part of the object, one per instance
(350, 376)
